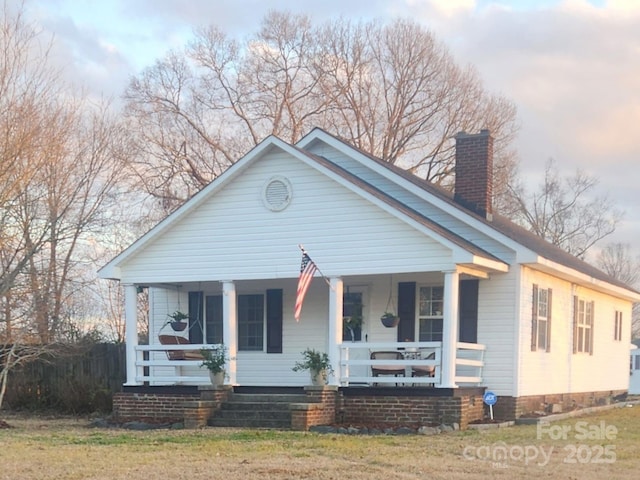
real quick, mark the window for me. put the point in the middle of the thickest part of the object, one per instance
(352, 309)
(583, 331)
(541, 319)
(251, 322)
(617, 327)
(430, 314)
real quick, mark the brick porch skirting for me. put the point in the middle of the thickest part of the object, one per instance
(409, 406)
(511, 408)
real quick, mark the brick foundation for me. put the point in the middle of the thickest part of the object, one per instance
(323, 406)
(510, 408)
(321, 409)
(150, 407)
(197, 413)
(383, 406)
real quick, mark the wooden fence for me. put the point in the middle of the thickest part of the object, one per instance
(69, 379)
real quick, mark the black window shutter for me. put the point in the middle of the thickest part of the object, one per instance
(534, 319)
(468, 311)
(407, 311)
(549, 310)
(196, 320)
(576, 306)
(593, 325)
(274, 321)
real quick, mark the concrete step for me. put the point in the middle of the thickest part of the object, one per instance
(255, 406)
(257, 410)
(253, 415)
(269, 398)
(250, 423)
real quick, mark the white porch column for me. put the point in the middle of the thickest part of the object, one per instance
(450, 329)
(131, 332)
(230, 328)
(335, 327)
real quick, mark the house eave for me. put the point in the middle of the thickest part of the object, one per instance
(553, 268)
(111, 270)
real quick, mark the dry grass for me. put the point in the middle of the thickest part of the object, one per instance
(43, 449)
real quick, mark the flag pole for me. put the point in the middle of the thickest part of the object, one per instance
(304, 252)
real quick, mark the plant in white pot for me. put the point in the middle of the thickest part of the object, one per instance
(215, 360)
(318, 365)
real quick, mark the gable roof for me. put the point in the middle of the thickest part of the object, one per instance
(498, 223)
(395, 203)
(474, 254)
(502, 228)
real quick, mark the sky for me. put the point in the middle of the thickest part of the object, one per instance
(572, 67)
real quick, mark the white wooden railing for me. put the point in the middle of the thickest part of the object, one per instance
(181, 374)
(355, 363)
(354, 369)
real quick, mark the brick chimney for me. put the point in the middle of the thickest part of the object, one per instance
(474, 172)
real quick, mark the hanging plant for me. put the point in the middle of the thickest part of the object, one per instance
(177, 321)
(389, 319)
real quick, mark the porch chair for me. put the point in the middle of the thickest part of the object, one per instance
(395, 370)
(179, 354)
(424, 370)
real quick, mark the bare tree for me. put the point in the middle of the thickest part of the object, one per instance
(617, 260)
(565, 211)
(26, 118)
(60, 158)
(74, 190)
(390, 89)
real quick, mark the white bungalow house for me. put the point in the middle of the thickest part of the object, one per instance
(500, 309)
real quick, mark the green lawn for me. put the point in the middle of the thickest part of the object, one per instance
(603, 446)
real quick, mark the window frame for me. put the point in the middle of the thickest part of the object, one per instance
(583, 325)
(542, 309)
(358, 332)
(243, 344)
(434, 317)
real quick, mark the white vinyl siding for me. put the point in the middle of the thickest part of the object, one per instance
(497, 320)
(235, 237)
(561, 370)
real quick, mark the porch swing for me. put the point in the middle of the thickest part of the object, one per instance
(175, 339)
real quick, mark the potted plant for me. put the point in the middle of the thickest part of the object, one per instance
(351, 323)
(215, 360)
(177, 320)
(318, 365)
(389, 319)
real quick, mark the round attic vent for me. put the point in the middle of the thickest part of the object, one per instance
(276, 194)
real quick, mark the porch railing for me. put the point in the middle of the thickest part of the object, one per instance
(355, 363)
(181, 375)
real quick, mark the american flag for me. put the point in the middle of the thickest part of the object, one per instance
(307, 270)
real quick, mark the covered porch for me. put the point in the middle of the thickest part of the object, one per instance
(453, 362)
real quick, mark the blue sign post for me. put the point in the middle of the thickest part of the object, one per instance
(490, 399)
